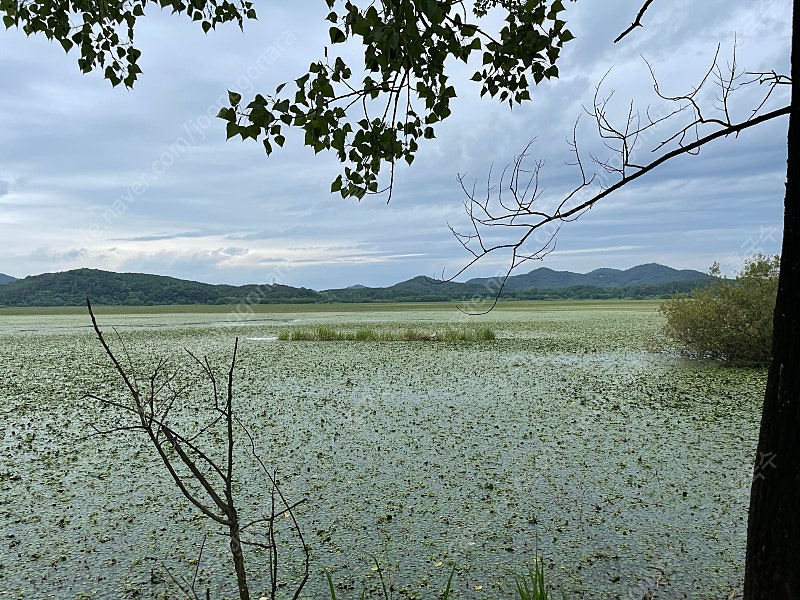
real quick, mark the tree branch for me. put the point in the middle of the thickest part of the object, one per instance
(637, 22)
(195, 472)
(527, 213)
(726, 131)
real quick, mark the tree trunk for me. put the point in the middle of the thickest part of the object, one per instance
(772, 570)
(238, 557)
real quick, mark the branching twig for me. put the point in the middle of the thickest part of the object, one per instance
(205, 482)
(529, 211)
(637, 22)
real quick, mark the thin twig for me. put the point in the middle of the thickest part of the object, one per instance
(636, 23)
(528, 211)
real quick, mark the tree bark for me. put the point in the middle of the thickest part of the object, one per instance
(238, 557)
(772, 569)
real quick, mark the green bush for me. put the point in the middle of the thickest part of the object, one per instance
(486, 334)
(730, 320)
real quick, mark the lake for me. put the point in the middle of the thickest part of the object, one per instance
(575, 435)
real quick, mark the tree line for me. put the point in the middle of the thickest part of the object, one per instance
(71, 288)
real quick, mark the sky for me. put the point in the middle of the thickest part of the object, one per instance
(143, 180)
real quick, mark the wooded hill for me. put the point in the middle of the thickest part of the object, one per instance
(71, 288)
(648, 274)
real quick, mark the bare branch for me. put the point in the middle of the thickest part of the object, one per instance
(536, 218)
(128, 383)
(193, 470)
(637, 22)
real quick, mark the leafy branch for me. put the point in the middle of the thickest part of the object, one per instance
(103, 30)
(376, 118)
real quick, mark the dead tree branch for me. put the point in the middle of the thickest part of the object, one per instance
(637, 22)
(683, 124)
(205, 481)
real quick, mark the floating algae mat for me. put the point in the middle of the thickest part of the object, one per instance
(566, 435)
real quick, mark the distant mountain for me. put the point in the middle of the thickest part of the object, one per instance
(4, 279)
(648, 274)
(418, 289)
(554, 285)
(71, 288)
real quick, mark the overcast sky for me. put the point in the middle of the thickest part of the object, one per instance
(73, 151)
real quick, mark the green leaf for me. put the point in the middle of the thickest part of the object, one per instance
(231, 130)
(228, 114)
(251, 131)
(234, 98)
(111, 75)
(337, 35)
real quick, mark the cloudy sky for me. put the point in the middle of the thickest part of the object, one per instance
(73, 151)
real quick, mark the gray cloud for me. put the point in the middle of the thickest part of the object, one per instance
(144, 180)
(160, 237)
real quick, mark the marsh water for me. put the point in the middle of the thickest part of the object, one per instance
(575, 435)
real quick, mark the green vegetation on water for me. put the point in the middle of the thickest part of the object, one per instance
(565, 436)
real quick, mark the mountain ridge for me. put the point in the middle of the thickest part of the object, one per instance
(71, 288)
(644, 274)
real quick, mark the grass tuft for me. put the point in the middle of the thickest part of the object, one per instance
(324, 333)
(531, 585)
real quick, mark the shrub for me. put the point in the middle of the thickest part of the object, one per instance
(327, 334)
(730, 320)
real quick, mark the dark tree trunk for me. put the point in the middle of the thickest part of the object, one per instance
(238, 557)
(772, 570)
